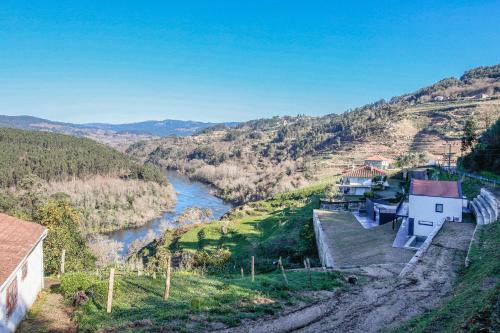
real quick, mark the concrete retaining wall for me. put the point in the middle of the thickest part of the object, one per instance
(421, 251)
(323, 249)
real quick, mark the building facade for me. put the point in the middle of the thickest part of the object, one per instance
(379, 162)
(431, 203)
(21, 269)
(360, 180)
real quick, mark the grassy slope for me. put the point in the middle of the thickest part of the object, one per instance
(475, 303)
(196, 301)
(280, 226)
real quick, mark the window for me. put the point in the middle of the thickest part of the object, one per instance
(11, 297)
(426, 223)
(439, 208)
(24, 271)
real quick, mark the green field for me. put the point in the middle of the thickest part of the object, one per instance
(267, 229)
(198, 302)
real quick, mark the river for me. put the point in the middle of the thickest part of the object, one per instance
(189, 194)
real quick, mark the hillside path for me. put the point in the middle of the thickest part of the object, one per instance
(384, 302)
(49, 314)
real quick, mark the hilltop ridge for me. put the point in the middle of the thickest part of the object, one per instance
(263, 157)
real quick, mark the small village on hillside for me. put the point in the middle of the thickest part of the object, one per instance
(249, 166)
(381, 220)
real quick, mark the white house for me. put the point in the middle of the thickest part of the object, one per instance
(378, 161)
(432, 202)
(359, 180)
(21, 269)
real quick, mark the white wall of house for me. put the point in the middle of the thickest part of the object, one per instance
(378, 164)
(28, 289)
(359, 180)
(423, 210)
(359, 190)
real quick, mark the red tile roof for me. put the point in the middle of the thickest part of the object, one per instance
(377, 158)
(364, 171)
(435, 188)
(17, 239)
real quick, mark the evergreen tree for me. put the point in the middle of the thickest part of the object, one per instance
(469, 136)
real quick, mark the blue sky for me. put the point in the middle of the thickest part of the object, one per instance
(123, 61)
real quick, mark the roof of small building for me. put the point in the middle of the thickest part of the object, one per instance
(377, 158)
(365, 171)
(17, 239)
(436, 188)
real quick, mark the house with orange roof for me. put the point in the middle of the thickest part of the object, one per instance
(431, 203)
(379, 162)
(21, 269)
(361, 179)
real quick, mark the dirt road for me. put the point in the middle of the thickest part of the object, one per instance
(383, 302)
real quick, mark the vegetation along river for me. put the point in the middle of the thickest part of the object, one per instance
(189, 194)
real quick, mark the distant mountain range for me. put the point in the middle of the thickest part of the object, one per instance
(117, 135)
(167, 127)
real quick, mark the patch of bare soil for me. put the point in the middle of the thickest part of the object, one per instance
(49, 314)
(385, 302)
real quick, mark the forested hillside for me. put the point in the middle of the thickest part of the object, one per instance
(55, 157)
(263, 157)
(485, 155)
(37, 166)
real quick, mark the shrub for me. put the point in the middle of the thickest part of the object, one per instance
(91, 285)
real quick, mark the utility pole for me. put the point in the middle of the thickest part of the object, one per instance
(448, 154)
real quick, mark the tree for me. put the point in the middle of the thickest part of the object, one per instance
(332, 191)
(62, 220)
(469, 136)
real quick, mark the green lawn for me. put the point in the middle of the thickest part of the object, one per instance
(198, 302)
(474, 304)
(267, 229)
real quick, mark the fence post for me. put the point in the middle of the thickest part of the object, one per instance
(167, 279)
(280, 263)
(110, 289)
(63, 259)
(309, 272)
(242, 275)
(253, 268)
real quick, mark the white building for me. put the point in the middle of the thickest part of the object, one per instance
(432, 202)
(378, 161)
(21, 269)
(360, 180)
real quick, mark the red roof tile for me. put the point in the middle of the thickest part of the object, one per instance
(377, 158)
(17, 239)
(364, 171)
(435, 188)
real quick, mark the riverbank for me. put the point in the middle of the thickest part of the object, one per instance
(188, 194)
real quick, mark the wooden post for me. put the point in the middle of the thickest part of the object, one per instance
(110, 289)
(305, 264)
(167, 279)
(253, 268)
(280, 263)
(63, 259)
(242, 275)
(309, 272)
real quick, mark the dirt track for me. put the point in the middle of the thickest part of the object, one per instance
(383, 302)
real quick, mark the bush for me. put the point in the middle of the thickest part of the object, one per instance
(91, 285)
(216, 259)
